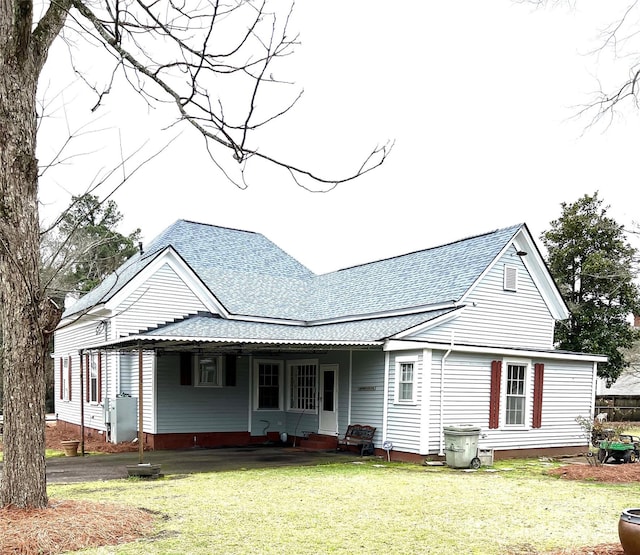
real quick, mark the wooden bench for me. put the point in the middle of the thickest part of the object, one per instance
(360, 436)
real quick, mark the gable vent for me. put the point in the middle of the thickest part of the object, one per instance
(510, 278)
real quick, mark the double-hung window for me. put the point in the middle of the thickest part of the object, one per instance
(302, 385)
(516, 390)
(65, 375)
(406, 379)
(208, 371)
(268, 381)
(94, 362)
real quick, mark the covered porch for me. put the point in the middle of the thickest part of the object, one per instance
(201, 392)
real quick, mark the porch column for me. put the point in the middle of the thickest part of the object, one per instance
(140, 407)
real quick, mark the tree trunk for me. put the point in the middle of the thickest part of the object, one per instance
(22, 318)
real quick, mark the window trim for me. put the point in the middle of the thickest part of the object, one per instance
(399, 361)
(65, 373)
(93, 361)
(526, 396)
(256, 384)
(303, 362)
(197, 382)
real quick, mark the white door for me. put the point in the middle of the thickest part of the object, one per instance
(328, 399)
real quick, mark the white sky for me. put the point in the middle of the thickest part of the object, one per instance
(478, 97)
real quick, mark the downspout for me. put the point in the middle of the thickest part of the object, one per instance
(442, 367)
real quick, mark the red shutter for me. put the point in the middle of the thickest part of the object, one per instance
(99, 377)
(494, 396)
(538, 383)
(61, 380)
(87, 379)
(69, 375)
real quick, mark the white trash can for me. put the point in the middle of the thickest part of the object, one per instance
(461, 446)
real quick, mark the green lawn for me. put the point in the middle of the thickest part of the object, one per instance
(373, 508)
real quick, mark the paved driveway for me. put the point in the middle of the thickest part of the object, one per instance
(113, 466)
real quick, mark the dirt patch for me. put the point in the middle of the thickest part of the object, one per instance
(62, 527)
(93, 442)
(611, 473)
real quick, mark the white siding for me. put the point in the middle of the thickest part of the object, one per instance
(67, 343)
(404, 420)
(566, 395)
(496, 317)
(367, 389)
(191, 409)
(162, 298)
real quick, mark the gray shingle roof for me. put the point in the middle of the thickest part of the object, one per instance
(251, 276)
(208, 327)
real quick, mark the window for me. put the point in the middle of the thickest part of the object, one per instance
(65, 378)
(510, 278)
(94, 363)
(208, 371)
(406, 379)
(302, 385)
(515, 394)
(268, 395)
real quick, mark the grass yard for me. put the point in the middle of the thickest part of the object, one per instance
(373, 508)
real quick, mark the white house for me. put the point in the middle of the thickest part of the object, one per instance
(229, 341)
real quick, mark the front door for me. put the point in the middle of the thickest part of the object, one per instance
(328, 399)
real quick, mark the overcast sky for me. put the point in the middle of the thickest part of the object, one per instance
(478, 97)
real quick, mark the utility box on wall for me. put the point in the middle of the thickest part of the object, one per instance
(124, 419)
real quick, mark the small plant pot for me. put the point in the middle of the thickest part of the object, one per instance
(629, 531)
(70, 447)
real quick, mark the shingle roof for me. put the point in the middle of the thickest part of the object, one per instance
(251, 276)
(212, 328)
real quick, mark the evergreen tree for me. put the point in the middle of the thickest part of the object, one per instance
(591, 260)
(88, 248)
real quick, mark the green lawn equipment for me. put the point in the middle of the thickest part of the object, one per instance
(625, 448)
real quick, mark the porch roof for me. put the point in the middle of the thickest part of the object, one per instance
(209, 328)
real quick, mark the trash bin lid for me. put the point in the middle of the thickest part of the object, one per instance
(464, 428)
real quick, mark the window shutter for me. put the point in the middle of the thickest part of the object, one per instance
(230, 370)
(538, 383)
(186, 374)
(494, 396)
(61, 380)
(87, 381)
(99, 377)
(69, 377)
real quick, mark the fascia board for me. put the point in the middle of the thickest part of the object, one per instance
(170, 257)
(404, 345)
(383, 314)
(430, 324)
(541, 275)
(97, 312)
(146, 339)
